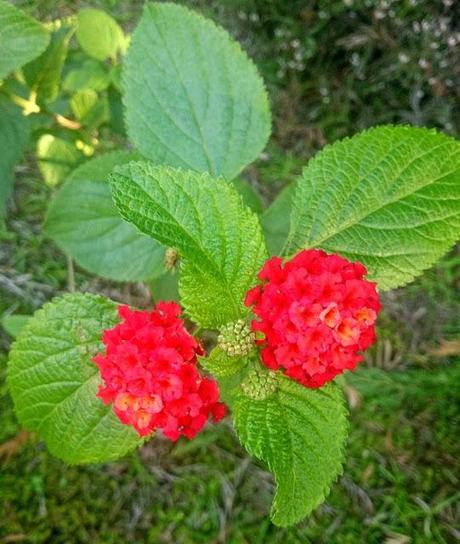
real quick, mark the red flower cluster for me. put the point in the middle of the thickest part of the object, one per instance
(150, 374)
(316, 312)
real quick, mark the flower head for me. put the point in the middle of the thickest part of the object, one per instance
(150, 374)
(315, 314)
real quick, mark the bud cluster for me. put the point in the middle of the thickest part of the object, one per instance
(236, 338)
(259, 384)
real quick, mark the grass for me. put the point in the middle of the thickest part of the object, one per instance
(401, 478)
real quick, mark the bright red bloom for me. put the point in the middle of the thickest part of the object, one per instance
(150, 374)
(316, 313)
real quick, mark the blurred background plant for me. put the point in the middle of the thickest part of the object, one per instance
(332, 68)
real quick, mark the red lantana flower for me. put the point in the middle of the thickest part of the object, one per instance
(316, 313)
(150, 374)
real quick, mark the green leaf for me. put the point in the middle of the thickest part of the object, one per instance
(90, 75)
(229, 372)
(53, 381)
(84, 223)
(193, 98)
(14, 136)
(249, 195)
(56, 158)
(22, 39)
(165, 287)
(89, 108)
(13, 324)
(300, 433)
(275, 220)
(43, 74)
(219, 240)
(388, 197)
(98, 34)
(117, 122)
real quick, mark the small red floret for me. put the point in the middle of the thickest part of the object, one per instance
(315, 314)
(150, 374)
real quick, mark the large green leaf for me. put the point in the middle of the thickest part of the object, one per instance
(54, 383)
(300, 433)
(193, 98)
(22, 39)
(388, 197)
(84, 222)
(219, 240)
(14, 136)
(43, 74)
(98, 34)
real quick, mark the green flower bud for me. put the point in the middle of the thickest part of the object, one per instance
(236, 338)
(259, 384)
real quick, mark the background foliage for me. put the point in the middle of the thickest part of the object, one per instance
(332, 68)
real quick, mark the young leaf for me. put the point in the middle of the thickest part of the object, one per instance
(89, 108)
(300, 433)
(43, 74)
(219, 240)
(98, 34)
(56, 158)
(14, 136)
(84, 222)
(21, 38)
(229, 372)
(193, 98)
(54, 383)
(90, 75)
(388, 197)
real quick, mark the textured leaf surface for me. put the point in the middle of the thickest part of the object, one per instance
(193, 98)
(219, 240)
(22, 39)
(300, 433)
(388, 197)
(56, 158)
(14, 136)
(98, 34)
(54, 383)
(85, 223)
